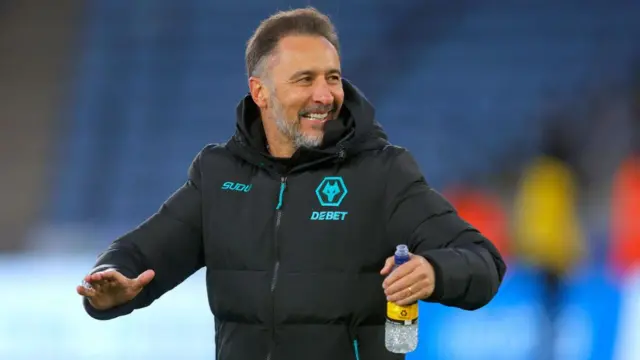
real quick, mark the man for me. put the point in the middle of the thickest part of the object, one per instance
(295, 215)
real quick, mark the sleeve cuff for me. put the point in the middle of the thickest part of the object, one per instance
(451, 274)
(109, 314)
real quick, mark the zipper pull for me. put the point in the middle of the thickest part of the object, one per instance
(355, 349)
(283, 186)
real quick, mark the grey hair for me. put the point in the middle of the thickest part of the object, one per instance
(261, 71)
(261, 66)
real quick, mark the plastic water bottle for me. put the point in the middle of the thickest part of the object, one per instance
(401, 328)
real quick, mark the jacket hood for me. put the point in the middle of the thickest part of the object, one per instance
(354, 131)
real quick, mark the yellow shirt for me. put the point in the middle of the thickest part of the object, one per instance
(546, 223)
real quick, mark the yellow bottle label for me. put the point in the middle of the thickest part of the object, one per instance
(402, 314)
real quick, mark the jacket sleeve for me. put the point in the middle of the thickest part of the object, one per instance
(468, 267)
(169, 242)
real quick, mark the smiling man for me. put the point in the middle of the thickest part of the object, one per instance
(297, 216)
(299, 110)
(283, 84)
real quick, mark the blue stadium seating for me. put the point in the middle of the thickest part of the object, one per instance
(479, 95)
(158, 80)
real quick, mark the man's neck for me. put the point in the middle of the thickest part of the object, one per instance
(280, 151)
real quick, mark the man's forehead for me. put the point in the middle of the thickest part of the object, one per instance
(303, 52)
(301, 42)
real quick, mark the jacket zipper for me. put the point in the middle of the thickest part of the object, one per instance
(276, 265)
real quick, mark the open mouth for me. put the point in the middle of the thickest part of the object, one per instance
(317, 116)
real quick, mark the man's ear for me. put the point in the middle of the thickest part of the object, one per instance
(259, 92)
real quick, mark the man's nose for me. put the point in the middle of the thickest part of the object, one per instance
(322, 93)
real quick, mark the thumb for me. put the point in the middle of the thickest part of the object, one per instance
(388, 266)
(144, 279)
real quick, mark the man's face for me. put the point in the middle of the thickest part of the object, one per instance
(304, 88)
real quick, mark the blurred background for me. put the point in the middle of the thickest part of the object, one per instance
(526, 115)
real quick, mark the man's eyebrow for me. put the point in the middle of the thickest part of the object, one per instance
(332, 71)
(301, 73)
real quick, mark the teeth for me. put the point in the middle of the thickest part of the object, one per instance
(317, 116)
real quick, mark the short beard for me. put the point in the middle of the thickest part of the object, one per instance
(292, 130)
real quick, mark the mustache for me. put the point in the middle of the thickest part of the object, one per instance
(318, 109)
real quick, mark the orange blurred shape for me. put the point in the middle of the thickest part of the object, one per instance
(625, 216)
(483, 211)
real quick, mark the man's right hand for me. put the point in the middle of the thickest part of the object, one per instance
(110, 288)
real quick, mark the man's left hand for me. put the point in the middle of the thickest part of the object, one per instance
(409, 282)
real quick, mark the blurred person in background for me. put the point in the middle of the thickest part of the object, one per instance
(548, 232)
(625, 200)
(295, 266)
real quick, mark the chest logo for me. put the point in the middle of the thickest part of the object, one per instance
(330, 193)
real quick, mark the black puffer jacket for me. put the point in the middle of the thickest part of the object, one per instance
(293, 248)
